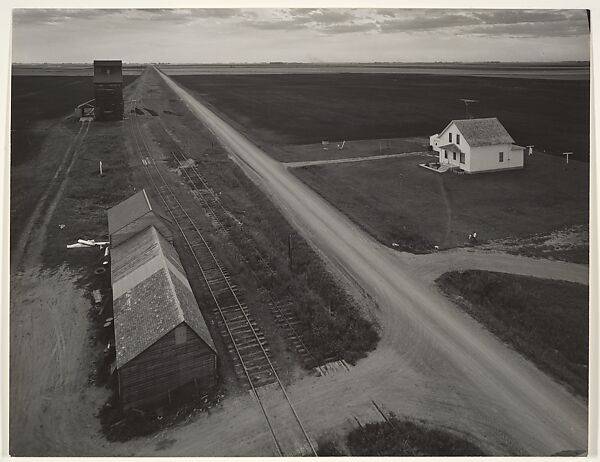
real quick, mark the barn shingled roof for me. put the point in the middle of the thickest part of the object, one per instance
(482, 132)
(151, 295)
(129, 210)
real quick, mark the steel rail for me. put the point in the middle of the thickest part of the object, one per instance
(261, 257)
(258, 340)
(169, 209)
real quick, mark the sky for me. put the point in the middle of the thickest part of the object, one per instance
(314, 35)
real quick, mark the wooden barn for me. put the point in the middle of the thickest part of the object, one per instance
(132, 216)
(108, 90)
(162, 342)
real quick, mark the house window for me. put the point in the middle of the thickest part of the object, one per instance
(462, 157)
(500, 157)
(457, 138)
(445, 154)
(453, 156)
(449, 137)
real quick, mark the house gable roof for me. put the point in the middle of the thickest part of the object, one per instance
(451, 147)
(482, 132)
(151, 295)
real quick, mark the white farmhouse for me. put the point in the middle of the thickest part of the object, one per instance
(477, 145)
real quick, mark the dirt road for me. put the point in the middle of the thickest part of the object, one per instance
(432, 265)
(433, 361)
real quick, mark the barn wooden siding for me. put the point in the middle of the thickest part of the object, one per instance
(108, 90)
(109, 101)
(177, 359)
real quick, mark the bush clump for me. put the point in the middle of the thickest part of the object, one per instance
(396, 437)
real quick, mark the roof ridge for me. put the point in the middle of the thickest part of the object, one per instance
(169, 278)
(147, 200)
(474, 119)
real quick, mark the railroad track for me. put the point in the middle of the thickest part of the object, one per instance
(247, 345)
(282, 309)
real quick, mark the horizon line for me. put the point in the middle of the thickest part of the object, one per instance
(322, 63)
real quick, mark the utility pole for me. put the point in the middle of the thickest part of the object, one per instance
(567, 154)
(467, 102)
(290, 250)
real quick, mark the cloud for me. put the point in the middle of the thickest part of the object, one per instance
(521, 23)
(525, 30)
(52, 16)
(521, 16)
(427, 22)
(349, 28)
(162, 15)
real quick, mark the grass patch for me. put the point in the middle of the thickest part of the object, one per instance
(397, 437)
(39, 138)
(371, 106)
(331, 324)
(546, 321)
(395, 200)
(87, 196)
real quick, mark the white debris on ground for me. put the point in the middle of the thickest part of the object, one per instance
(187, 163)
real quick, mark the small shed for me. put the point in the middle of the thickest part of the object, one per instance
(162, 342)
(108, 89)
(133, 215)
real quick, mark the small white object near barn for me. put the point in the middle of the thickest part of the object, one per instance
(477, 145)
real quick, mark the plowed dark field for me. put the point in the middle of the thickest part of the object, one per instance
(302, 109)
(36, 99)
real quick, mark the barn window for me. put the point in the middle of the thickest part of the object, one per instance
(457, 138)
(500, 157)
(449, 137)
(453, 156)
(462, 157)
(180, 335)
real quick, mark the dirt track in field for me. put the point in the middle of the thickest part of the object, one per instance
(345, 160)
(433, 362)
(50, 398)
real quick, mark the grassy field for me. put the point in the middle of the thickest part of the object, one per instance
(280, 110)
(350, 149)
(395, 200)
(546, 321)
(39, 136)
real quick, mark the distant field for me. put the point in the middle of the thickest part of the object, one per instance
(41, 99)
(546, 321)
(561, 71)
(288, 109)
(395, 200)
(67, 69)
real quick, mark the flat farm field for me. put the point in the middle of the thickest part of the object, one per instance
(395, 200)
(41, 133)
(37, 102)
(280, 110)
